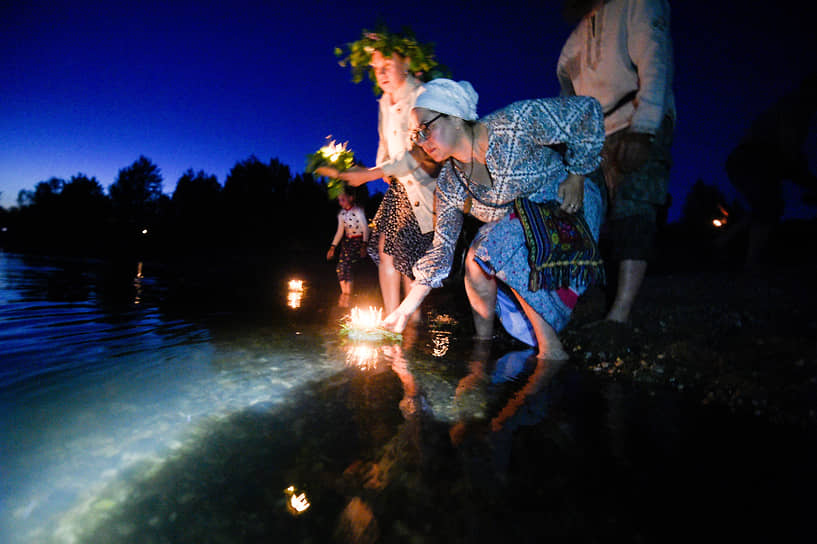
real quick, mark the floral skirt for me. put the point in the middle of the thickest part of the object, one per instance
(402, 239)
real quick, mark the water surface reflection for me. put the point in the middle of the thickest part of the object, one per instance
(171, 420)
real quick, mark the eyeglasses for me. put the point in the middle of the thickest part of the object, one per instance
(421, 133)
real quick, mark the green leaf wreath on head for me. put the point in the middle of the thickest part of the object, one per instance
(358, 55)
(335, 155)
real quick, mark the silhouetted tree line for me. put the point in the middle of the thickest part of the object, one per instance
(260, 209)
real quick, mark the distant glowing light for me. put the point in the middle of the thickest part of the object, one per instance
(719, 223)
(297, 504)
(144, 231)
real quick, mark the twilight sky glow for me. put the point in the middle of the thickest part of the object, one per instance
(88, 87)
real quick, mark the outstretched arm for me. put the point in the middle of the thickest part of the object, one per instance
(354, 176)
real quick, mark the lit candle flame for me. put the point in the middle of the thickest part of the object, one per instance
(718, 223)
(366, 319)
(333, 151)
(296, 285)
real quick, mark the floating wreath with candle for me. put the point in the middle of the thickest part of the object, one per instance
(333, 155)
(364, 325)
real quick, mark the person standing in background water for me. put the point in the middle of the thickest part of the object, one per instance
(403, 226)
(620, 53)
(353, 231)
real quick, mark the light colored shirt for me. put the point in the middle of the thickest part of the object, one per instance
(393, 152)
(521, 162)
(351, 222)
(621, 54)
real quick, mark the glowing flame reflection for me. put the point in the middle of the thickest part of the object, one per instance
(297, 504)
(362, 356)
(442, 340)
(295, 294)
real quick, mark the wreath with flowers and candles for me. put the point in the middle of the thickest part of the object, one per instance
(337, 156)
(358, 55)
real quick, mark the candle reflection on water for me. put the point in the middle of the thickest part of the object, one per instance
(442, 340)
(297, 503)
(363, 356)
(295, 294)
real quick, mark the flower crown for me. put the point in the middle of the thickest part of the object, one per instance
(358, 55)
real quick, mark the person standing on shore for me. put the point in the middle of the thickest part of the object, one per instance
(620, 53)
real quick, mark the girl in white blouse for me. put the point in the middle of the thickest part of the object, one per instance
(353, 230)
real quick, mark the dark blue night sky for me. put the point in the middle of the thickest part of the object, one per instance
(89, 87)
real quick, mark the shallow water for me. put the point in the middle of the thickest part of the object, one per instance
(145, 404)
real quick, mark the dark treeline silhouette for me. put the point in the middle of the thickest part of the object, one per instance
(261, 208)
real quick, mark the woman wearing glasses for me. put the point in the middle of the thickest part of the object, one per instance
(520, 170)
(404, 223)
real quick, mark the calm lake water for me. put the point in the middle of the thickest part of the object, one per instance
(148, 404)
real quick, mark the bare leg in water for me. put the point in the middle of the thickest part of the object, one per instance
(390, 279)
(630, 277)
(550, 347)
(481, 291)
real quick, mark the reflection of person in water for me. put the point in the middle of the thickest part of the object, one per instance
(456, 433)
(492, 431)
(412, 450)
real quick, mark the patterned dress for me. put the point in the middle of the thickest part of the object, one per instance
(402, 239)
(532, 146)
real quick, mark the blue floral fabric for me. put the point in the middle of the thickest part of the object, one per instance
(532, 146)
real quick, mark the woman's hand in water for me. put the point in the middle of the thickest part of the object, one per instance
(398, 319)
(395, 321)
